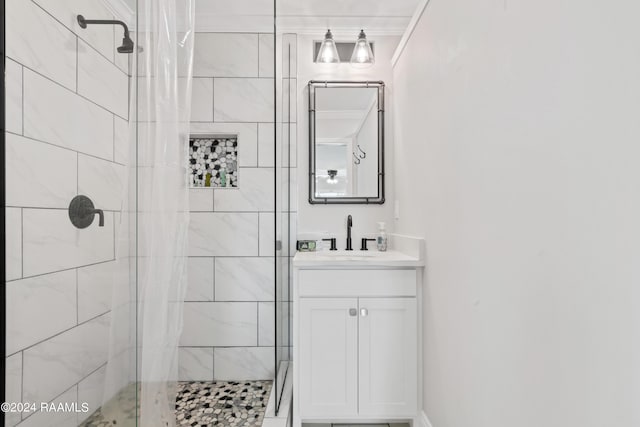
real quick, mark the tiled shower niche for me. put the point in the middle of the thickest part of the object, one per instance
(213, 161)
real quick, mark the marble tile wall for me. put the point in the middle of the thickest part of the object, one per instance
(67, 125)
(228, 315)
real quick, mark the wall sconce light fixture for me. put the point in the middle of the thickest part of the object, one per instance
(328, 53)
(362, 53)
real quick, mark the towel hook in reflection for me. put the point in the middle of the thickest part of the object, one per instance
(356, 159)
(363, 155)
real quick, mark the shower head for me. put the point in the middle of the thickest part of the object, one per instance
(127, 43)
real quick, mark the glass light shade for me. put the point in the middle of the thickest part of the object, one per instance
(328, 52)
(332, 176)
(362, 53)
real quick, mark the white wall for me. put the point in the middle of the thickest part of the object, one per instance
(67, 119)
(332, 219)
(517, 159)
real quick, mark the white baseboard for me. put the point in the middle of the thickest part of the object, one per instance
(425, 420)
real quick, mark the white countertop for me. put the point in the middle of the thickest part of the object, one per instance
(355, 259)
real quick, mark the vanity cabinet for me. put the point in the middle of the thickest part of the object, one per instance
(355, 344)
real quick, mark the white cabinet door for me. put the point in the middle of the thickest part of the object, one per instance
(328, 357)
(388, 357)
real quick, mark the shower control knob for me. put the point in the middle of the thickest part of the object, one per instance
(353, 312)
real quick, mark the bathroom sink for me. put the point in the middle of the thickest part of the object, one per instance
(355, 258)
(349, 254)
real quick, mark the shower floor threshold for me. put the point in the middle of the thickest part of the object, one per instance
(198, 403)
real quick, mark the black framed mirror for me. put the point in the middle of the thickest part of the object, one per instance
(346, 142)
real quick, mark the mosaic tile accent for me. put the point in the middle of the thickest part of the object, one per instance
(223, 403)
(198, 403)
(214, 161)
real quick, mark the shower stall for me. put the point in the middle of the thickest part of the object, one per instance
(149, 159)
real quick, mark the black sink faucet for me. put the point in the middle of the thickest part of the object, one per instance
(349, 225)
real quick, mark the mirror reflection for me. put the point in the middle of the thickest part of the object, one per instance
(347, 142)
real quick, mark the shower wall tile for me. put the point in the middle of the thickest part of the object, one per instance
(223, 234)
(290, 142)
(210, 324)
(195, 364)
(244, 279)
(39, 174)
(101, 37)
(225, 55)
(123, 372)
(102, 181)
(254, 192)
(201, 200)
(284, 327)
(63, 88)
(267, 234)
(101, 81)
(57, 419)
(266, 144)
(62, 361)
(247, 138)
(39, 42)
(287, 111)
(40, 307)
(288, 152)
(91, 390)
(13, 385)
(13, 236)
(266, 55)
(249, 363)
(146, 100)
(289, 63)
(51, 243)
(241, 69)
(243, 100)
(201, 275)
(202, 100)
(266, 324)
(290, 180)
(120, 140)
(95, 289)
(123, 317)
(55, 115)
(13, 96)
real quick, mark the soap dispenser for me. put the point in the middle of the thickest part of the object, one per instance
(381, 238)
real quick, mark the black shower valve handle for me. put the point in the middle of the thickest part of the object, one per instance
(82, 212)
(100, 214)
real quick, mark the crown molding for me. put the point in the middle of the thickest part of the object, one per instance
(422, 7)
(303, 25)
(345, 26)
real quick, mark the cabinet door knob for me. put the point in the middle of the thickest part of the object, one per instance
(364, 312)
(353, 312)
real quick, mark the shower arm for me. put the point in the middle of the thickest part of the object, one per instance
(84, 22)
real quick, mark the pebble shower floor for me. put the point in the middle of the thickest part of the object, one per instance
(201, 404)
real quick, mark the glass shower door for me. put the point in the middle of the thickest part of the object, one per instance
(285, 205)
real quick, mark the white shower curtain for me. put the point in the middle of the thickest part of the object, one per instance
(163, 198)
(152, 245)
